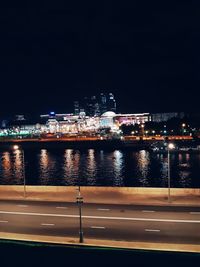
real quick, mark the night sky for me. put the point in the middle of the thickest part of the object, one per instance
(147, 53)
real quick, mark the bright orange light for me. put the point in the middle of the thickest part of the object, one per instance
(15, 147)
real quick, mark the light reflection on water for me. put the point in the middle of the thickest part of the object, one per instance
(118, 163)
(99, 167)
(91, 167)
(6, 165)
(143, 167)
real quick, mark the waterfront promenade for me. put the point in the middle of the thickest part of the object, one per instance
(104, 195)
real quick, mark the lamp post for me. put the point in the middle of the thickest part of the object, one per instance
(183, 128)
(16, 147)
(142, 130)
(169, 147)
(79, 201)
(24, 173)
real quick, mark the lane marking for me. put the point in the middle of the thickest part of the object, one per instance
(148, 211)
(98, 227)
(103, 209)
(61, 208)
(99, 217)
(194, 212)
(23, 206)
(47, 224)
(3, 221)
(152, 230)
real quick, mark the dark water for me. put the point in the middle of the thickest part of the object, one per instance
(99, 168)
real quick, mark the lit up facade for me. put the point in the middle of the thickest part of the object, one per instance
(53, 123)
(131, 119)
(114, 121)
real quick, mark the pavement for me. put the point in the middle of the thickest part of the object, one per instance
(99, 195)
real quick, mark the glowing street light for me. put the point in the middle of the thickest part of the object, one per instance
(15, 147)
(169, 147)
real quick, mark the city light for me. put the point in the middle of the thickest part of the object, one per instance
(15, 147)
(171, 146)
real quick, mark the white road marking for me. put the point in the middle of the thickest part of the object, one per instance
(3, 221)
(23, 206)
(98, 227)
(148, 211)
(47, 224)
(152, 230)
(61, 208)
(100, 217)
(194, 212)
(103, 209)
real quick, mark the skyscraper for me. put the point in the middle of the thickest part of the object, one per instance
(111, 106)
(96, 106)
(103, 103)
(76, 108)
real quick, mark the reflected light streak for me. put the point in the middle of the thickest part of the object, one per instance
(71, 166)
(91, 166)
(143, 166)
(118, 165)
(6, 165)
(44, 159)
(18, 163)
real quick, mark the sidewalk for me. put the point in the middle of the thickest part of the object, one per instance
(104, 195)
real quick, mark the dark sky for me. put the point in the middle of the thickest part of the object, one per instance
(147, 53)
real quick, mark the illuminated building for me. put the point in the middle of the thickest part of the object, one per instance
(131, 119)
(107, 120)
(53, 126)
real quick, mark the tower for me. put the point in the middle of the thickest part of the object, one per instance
(76, 108)
(111, 106)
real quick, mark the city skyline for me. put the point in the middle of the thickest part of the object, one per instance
(148, 57)
(89, 105)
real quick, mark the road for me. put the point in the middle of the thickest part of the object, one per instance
(111, 222)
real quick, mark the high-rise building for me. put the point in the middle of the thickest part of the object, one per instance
(76, 108)
(96, 105)
(103, 103)
(111, 106)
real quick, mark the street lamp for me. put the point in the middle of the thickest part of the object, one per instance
(16, 147)
(169, 147)
(142, 130)
(79, 201)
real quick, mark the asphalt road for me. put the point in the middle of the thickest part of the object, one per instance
(112, 222)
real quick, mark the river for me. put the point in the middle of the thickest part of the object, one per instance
(92, 167)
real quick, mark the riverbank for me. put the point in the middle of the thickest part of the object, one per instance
(104, 195)
(92, 142)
